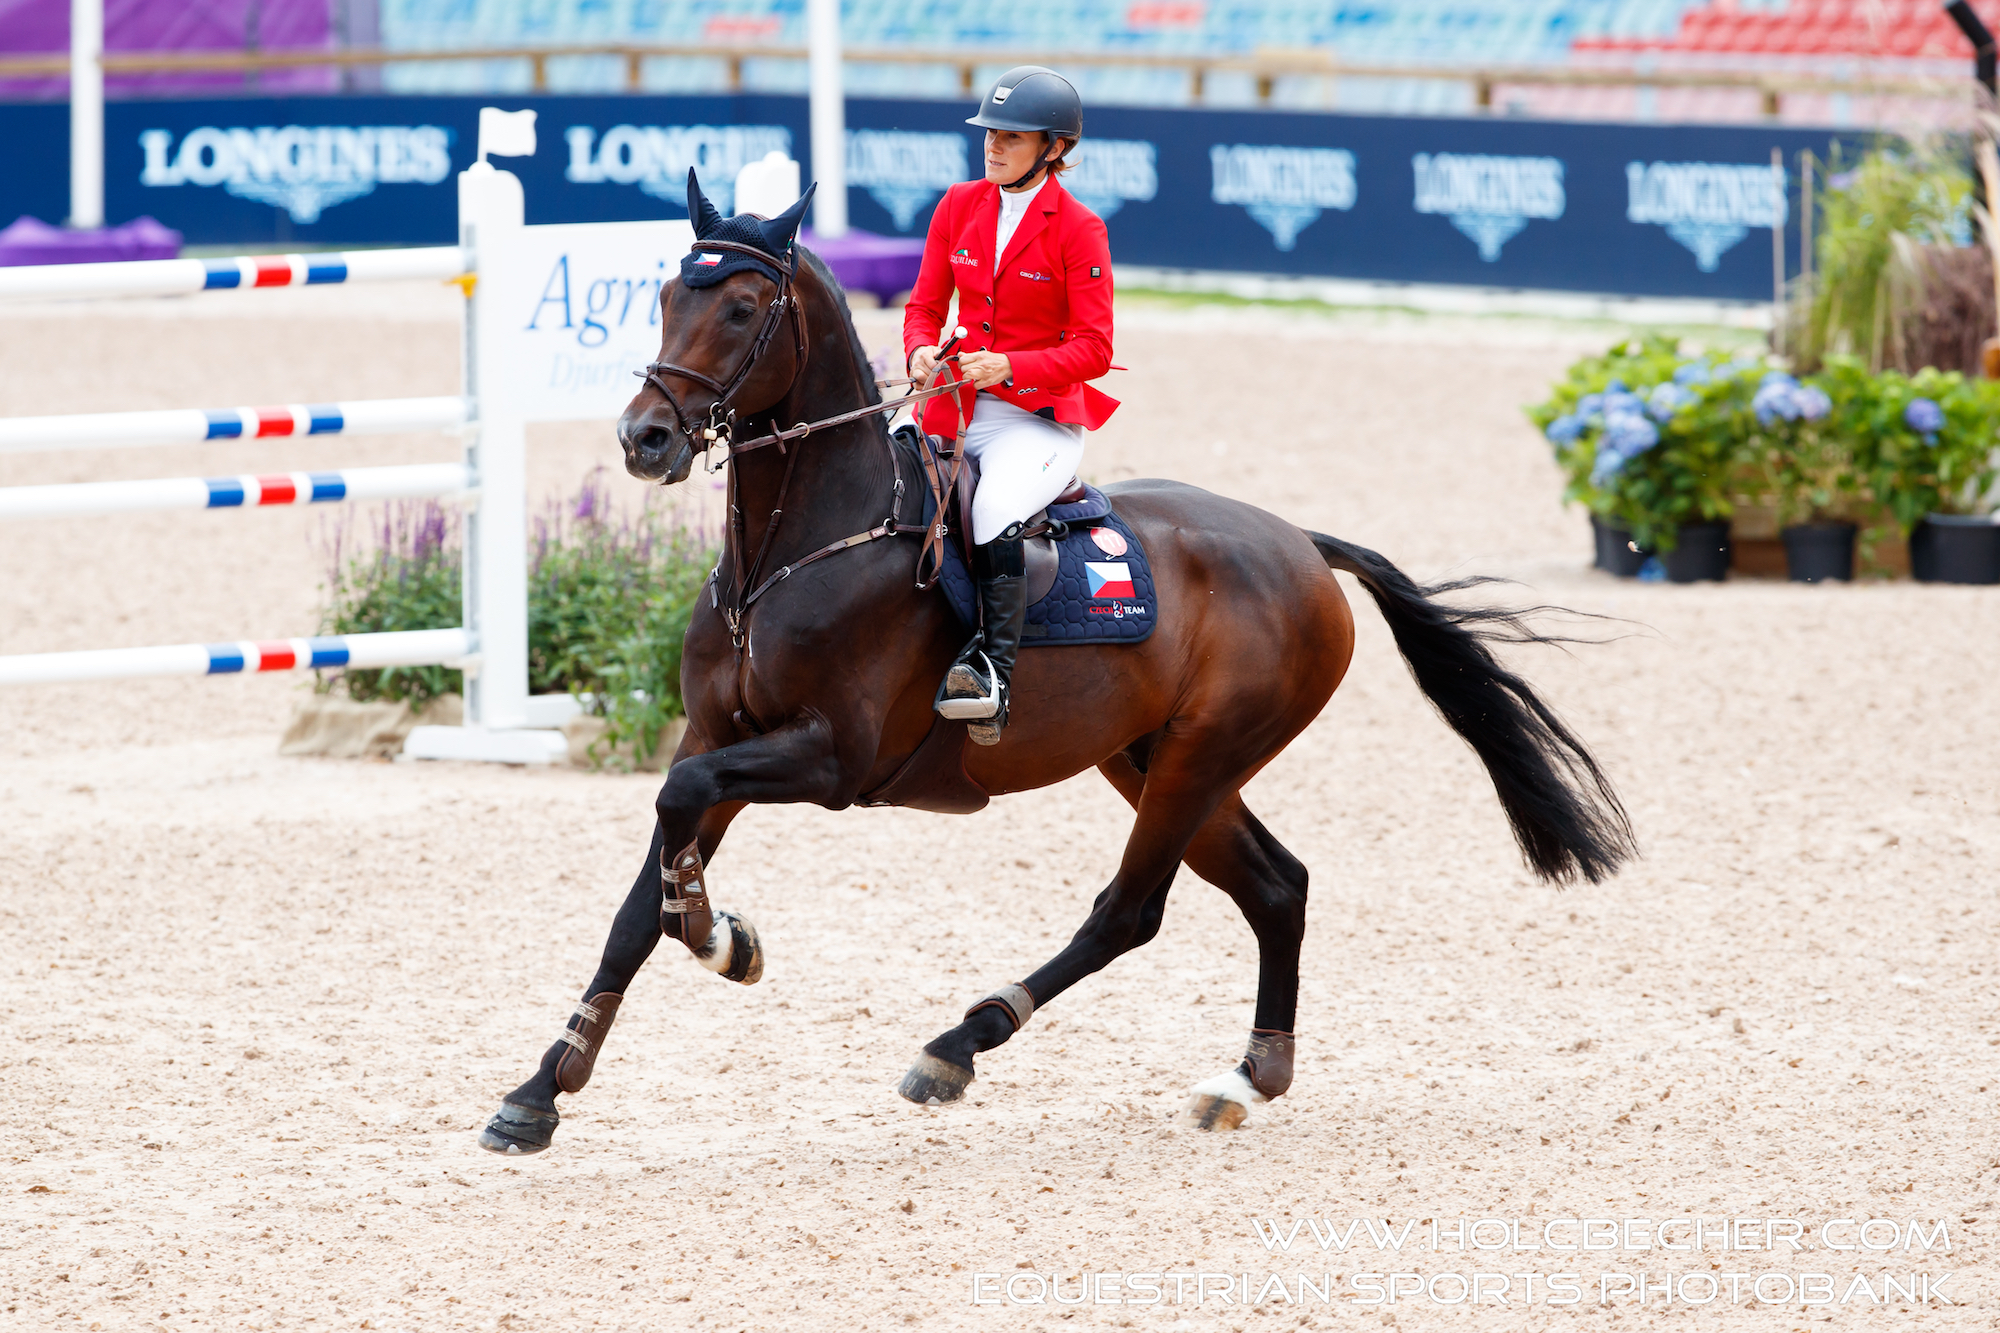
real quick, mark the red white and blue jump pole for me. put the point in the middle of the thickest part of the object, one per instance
(244, 492)
(426, 647)
(172, 277)
(193, 425)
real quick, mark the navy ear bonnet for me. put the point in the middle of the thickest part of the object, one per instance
(773, 236)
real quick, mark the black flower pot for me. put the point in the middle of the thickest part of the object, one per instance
(1701, 553)
(1955, 548)
(1816, 552)
(1615, 551)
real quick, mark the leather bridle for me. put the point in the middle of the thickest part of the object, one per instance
(940, 466)
(721, 416)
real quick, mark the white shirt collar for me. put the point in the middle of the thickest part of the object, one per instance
(1014, 207)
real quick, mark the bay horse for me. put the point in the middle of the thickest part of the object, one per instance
(812, 659)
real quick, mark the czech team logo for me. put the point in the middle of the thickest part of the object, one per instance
(1488, 198)
(1108, 579)
(1706, 206)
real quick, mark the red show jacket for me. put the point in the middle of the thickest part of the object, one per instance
(1049, 309)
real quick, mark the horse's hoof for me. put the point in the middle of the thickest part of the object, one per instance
(933, 1080)
(733, 950)
(518, 1131)
(1223, 1102)
(1205, 1110)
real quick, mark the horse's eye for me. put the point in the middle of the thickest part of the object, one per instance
(742, 312)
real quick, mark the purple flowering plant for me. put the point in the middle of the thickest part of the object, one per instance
(610, 590)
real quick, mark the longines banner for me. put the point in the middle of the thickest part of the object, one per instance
(1644, 210)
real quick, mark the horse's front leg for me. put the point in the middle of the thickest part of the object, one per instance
(700, 797)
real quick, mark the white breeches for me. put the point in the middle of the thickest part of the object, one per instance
(1020, 461)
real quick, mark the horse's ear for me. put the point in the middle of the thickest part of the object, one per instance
(779, 231)
(700, 212)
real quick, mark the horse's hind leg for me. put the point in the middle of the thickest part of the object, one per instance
(1238, 855)
(527, 1118)
(1180, 794)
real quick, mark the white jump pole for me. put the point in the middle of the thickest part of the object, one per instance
(424, 647)
(251, 491)
(828, 103)
(173, 277)
(86, 114)
(193, 425)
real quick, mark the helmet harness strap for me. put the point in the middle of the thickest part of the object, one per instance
(1042, 163)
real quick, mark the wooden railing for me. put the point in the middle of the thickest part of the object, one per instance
(1266, 67)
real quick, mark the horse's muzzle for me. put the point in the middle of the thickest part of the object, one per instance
(655, 450)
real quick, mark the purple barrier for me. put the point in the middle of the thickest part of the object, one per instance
(32, 241)
(865, 262)
(35, 27)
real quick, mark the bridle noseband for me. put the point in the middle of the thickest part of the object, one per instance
(721, 416)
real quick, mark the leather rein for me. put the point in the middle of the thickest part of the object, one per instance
(718, 431)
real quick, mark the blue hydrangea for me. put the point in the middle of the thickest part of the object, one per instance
(1667, 399)
(1812, 402)
(1627, 434)
(1924, 417)
(1614, 386)
(1652, 571)
(1589, 408)
(1777, 399)
(1692, 372)
(1564, 429)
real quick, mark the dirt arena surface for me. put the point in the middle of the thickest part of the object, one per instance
(259, 1006)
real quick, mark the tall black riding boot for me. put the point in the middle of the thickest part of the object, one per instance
(976, 687)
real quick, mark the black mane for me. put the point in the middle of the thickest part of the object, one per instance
(862, 365)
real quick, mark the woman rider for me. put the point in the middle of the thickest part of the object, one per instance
(1032, 272)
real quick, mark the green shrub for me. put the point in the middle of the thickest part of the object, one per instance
(1878, 216)
(609, 596)
(1923, 443)
(1649, 439)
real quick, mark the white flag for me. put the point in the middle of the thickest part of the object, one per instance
(507, 133)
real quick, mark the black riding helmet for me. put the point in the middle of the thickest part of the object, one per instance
(1031, 99)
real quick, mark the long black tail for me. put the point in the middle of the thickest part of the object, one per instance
(1566, 817)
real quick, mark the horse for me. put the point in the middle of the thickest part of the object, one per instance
(812, 658)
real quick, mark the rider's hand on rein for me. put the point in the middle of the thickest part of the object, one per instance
(986, 369)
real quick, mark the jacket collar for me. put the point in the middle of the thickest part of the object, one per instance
(1047, 200)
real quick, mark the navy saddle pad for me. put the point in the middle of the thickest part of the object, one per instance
(1103, 591)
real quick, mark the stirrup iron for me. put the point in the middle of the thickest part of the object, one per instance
(969, 694)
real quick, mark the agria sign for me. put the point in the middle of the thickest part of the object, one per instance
(303, 169)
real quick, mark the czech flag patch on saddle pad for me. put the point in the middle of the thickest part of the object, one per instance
(1093, 599)
(1109, 579)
